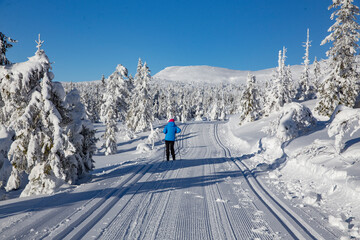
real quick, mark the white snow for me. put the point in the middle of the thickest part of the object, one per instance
(135, 194)
(215, 75)
(311, 170)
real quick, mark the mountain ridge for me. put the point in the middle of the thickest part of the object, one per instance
(215, 75)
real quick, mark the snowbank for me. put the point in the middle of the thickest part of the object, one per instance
(319, 165)
(294, 120)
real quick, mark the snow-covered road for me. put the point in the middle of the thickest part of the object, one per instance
(205, 194)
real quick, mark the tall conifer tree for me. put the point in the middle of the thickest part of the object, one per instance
(340, 87)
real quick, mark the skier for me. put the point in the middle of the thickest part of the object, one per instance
(170, 130)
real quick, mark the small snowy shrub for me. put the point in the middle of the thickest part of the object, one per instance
(153, 137)
(143, 148)
(343, 120)
(293, 121)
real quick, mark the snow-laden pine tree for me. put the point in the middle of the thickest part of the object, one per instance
(288, 88)
(317, 74)
(306, 89)
(199, 104)
(103, 80)
(5, 43)
(92, 98)
(183, 106)
(109, 117)
(139, 115)
(222, 113)
(41, 146)
(280, 88)
(339, 86)
(117, 86)
(81, 134)
(214, 112)
(171, 106)
(250, 105)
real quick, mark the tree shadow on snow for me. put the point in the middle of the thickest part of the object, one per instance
(349, 143)
(154, 184)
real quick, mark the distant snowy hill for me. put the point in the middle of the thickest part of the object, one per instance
(216, 75)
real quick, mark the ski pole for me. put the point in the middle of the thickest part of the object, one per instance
(164, 151)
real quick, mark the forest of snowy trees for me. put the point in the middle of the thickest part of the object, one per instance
(46, 127)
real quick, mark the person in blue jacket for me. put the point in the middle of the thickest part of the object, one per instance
(170, 131)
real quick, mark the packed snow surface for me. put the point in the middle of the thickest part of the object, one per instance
(219, 188)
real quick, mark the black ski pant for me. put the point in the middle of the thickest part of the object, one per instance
(170, 147)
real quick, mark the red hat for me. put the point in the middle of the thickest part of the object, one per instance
(172, 120)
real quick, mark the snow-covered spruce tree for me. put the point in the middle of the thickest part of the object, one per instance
(199, 106)
(155, 92)
(161, 109)
(41, 147)
(222, 114)
(5, 43)
(339, 86)
(288, 84)
(171, 106)
(81, 134)
(183, 106)
(215, 108)
(317, 74)
(111, 129)
(91, 95)
(92, 99)
(280, 89)
(117, 85)
(139, 115)
(109, 117)
(306, 90)
(103, 80)
(250, 102)
(17, 81)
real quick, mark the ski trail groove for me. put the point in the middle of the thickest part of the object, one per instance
(222, 210)
(40, 222)
(284, 214)
(136, 218)
(100, 208)
(86, 221)
(240, 220)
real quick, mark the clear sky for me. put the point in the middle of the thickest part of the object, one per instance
(88, 38)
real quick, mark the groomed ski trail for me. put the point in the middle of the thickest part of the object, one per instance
(208, 194)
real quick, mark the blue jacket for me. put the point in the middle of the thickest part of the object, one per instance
(170, 130)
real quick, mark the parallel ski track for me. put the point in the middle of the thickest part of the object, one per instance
(93, 210)
(234, 219)
(193, 216)
(41, 222)
(290, 220)
(148, 210)
(87, 220)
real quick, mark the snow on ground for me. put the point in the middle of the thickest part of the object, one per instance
(205, 194)
(308, 170)
(229, 182)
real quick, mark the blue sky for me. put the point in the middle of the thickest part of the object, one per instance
(88, 38)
